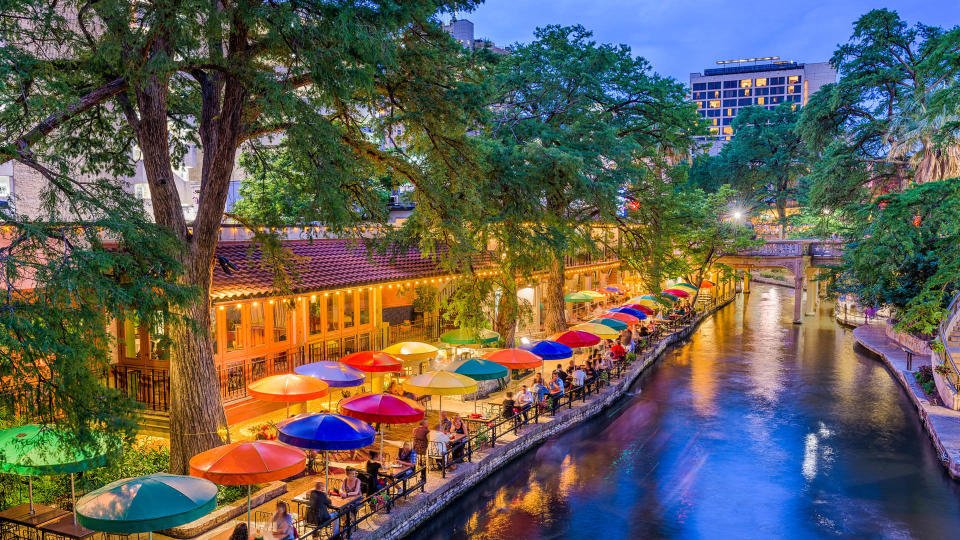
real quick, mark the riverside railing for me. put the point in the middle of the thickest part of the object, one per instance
(951, 373)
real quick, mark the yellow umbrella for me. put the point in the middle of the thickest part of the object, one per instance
(593, 294)
(685, 287)
(440, 383)
(599, 330)
(412, 351)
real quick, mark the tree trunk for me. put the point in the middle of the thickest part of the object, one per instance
(196, 411)
(507, 313)
(782, 216)
(554, 317)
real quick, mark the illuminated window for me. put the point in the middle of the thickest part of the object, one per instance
(333, 315)
(761, 82)
(715, 104)
(714, 130)
(793, 79)
(716, 121)
(791, 89)
(348, 310)
(280, 316)
(363, 306)
(761, 100)
(727, 130)
(258, 330)
(716, 94)
(728, 137)
(746, 83)
(234, 337)
(315, 317)
(729, 112)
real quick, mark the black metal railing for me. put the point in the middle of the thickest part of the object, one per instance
(150, 386)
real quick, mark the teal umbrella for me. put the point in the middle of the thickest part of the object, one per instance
(147, 503)
(33, 449)
(612, 323)
(479, 369)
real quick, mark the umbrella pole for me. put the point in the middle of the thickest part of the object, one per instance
(30, 492)
(326, 470)
(73, 498)
(248, 509)
(288, 411)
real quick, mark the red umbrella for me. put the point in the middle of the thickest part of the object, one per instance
(515, 359)
(639, 307)
(382, 408)
(247, 463)
(622, 317)
(575, 339)
(678, 292)
(288, 388)
(373, 362)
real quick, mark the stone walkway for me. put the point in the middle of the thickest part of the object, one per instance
(941, 423)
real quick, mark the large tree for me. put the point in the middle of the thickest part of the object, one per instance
(764, 161)
(88, 85)
(577, 121)
(881, 127)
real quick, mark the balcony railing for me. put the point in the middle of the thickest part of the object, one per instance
(149, 386)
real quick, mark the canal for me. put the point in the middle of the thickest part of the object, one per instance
(756, 428)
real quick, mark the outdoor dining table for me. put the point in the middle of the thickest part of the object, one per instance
(20, 517)
(395, 471)
(65, 528)
(303, 502)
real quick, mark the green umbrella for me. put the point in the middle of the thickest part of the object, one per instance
(32, 450)
(577, 298)
(147, 503)
(465, 336)
(612, 323)
(479, 369)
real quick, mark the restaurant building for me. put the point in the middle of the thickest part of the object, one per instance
(342, 298)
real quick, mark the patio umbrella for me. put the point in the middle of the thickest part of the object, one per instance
(576, 339)
(247, 463)
(707, 284)
(465, 336)
(382, 409)
(612, 289)
(577, 297)
(33, 449)
(594, 294)
(677, 292)
(636, 307)
(480, 369)
(622, 317)
(550, 350)
(288, 388)
(335, 374)
(440, 383)
(669, 297)
(658, 300)
(600, 330)
(325, 431)
(373, 362)
(683, 285)
(515, 358)
(147, 503)
(611, 322)
(412, 351)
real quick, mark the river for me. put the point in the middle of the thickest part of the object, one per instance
(755, 428)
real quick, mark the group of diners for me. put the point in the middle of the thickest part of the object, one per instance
(449, 434)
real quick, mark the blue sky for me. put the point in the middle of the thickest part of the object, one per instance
(681, 36)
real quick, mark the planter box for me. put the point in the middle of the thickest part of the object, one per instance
(915, 344)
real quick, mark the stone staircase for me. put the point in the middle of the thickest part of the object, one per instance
(154, 424)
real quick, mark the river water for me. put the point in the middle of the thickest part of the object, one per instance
(756, 428)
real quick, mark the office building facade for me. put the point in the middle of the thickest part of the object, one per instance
(721, 92)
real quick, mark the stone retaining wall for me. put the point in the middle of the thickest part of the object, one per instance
(405, 519)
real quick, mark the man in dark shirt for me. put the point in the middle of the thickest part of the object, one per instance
(318, 512)
(508, 405)
(420, 438)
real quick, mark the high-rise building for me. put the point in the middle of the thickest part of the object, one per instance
(765, 82)
(462, 31)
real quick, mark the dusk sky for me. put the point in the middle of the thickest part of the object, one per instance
(681, 36)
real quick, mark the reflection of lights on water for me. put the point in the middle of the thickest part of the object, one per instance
(810, 457)
(568, 476)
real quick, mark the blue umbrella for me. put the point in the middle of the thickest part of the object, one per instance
(630, 311)
(324, 431)
(334, 374)
(550, 350)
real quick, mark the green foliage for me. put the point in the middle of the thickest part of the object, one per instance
(908, 254)
(924, 377)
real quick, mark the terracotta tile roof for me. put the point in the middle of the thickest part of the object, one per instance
(319, 265)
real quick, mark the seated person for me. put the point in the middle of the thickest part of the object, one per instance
(556, 386)
(508, 406)
(441, 442)
(318, 512)
(579, 377)
(540, 390)
(524, 401)
(406, 455)
(351, 484)
(373, 466)
(240, 532)
(458, 426)
(420, 438)
(395, 389)
(445, 423)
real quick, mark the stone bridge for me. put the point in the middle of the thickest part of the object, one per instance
(802, 258)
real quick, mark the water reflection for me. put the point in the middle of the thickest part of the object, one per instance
(757, 428)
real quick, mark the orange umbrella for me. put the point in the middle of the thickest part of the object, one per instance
(288, 388)
(248, 463)
(515, 359)
(706, 284)
(373, 362)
